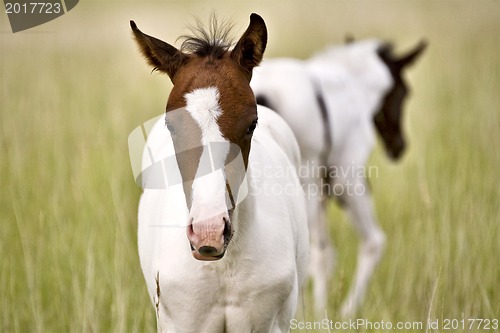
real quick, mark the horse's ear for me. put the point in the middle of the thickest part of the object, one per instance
(412, 55)
(249, 50)
(162, 56)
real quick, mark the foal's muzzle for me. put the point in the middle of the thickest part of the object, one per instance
(209, 238)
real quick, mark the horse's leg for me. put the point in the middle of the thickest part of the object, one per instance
(322, 253)
(359, 206)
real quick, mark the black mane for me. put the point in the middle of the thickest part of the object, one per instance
(212, 41)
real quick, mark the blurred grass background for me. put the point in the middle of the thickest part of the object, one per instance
(73, 89)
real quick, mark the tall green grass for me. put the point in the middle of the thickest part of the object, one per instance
(73, 89)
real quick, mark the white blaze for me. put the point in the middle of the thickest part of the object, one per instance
(209, 190)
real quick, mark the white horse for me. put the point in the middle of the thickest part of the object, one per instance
(332, 102)
(223, 238)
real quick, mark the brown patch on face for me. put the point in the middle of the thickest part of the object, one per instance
(236, 98)
(388, 120)
(186, 137)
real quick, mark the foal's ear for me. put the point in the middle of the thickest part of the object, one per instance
(162, 56)
(249, 50)
(412, 55)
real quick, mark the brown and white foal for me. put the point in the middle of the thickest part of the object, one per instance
(223, 241)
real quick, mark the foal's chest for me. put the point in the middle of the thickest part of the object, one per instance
(225, 299)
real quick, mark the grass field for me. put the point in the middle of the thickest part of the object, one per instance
(73, 89)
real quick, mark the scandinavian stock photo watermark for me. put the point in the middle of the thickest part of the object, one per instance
(335, 181)
(155, 157)
(365, 325)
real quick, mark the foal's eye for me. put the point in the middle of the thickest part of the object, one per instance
(170, 128)
(252, 127)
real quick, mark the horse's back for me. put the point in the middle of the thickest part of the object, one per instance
(286, 86)
(353, 80)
